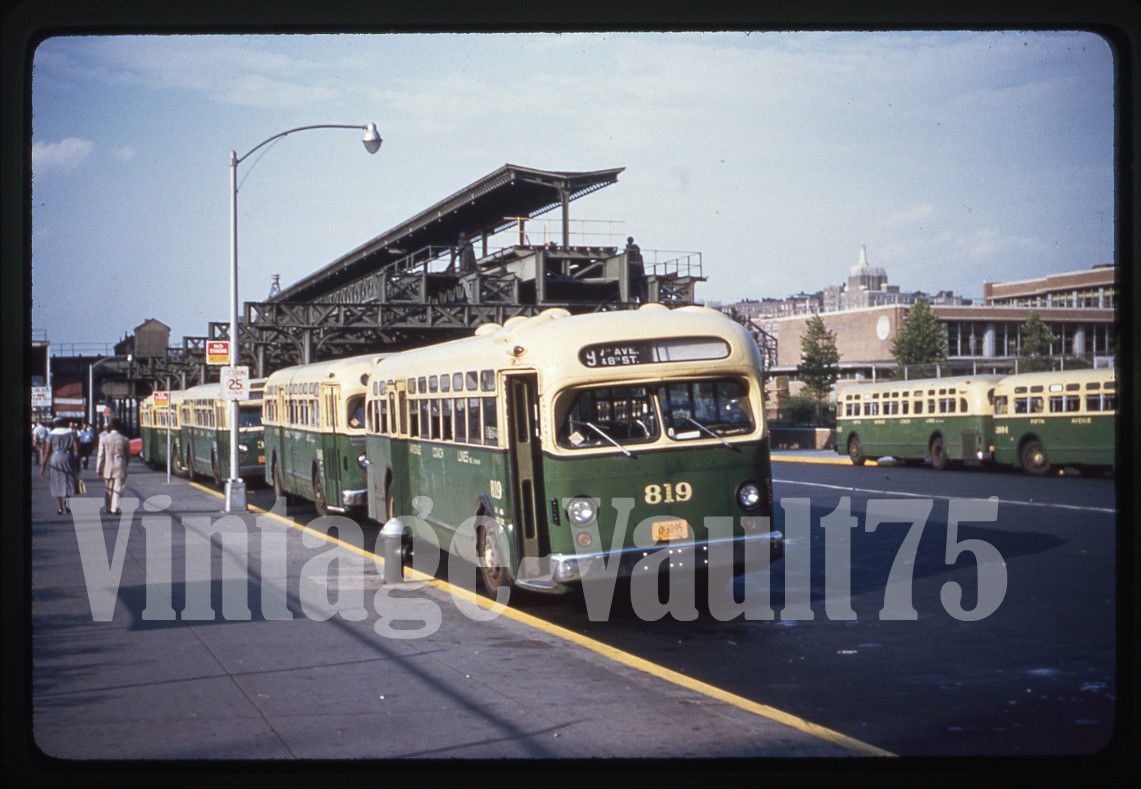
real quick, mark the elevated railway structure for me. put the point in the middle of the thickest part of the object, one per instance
(411, 285)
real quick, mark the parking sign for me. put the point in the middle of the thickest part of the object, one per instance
(236, 383)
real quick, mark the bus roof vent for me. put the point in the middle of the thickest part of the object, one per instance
(487, 328)
(653, 305)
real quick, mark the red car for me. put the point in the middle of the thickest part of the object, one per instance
(136, 446)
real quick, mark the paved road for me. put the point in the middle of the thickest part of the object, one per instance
(1038, 676)
(260, 675)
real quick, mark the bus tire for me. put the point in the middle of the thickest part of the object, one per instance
(856, 451)
(319, 502)
(492, 567)
(1033, 457)
(278, 488)
(938, 453)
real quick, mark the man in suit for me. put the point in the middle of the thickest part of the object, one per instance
(114, 454)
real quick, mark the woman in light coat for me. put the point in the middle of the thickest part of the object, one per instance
(60, 458)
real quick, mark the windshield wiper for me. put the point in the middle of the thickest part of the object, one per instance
(602, 433)
(705, 429)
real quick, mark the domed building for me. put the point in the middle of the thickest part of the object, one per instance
(864, 277)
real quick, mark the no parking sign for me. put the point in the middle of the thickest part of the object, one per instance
(236, 383)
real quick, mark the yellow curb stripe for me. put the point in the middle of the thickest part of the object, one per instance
(795, 459)
(605, 650)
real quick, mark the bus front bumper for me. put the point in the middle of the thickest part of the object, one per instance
(679, 556)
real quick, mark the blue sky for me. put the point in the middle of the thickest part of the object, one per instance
(956, 157)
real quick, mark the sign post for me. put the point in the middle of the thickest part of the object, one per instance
(235, 380)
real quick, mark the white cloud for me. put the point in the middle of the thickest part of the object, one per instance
(62, 156)
(124, 154)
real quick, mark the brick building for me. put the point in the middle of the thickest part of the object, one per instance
(1078, 306)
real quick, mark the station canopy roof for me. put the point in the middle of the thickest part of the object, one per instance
(481, 207)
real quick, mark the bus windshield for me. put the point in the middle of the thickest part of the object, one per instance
(249, 417)
(610, 416)
(622, 415)
(355, 411)
(695, 409)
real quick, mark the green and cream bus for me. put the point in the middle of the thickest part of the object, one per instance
(576, 442)
(315, 434)
(204, 432)
(940, 419)
(1055, 419)
(153, 423)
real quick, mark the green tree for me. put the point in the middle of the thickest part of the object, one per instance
(921, 338)
(1034, 348)
(818, 359)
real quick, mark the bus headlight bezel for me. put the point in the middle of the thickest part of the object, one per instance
(581, 511)
(748, 495)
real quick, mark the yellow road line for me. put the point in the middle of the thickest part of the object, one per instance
(607, 651)
(795, 459)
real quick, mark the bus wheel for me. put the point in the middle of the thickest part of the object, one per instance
(492, 567)
(278, 488)
(319, 493)
(938, 451)
(855, 451)
(1034, 458)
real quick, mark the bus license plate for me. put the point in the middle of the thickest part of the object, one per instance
(676, 529)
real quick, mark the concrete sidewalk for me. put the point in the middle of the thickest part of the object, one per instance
(298, 687)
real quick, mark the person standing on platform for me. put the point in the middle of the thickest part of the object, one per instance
(59, 457)
(466, 254)
(637, 271)
(111, 465)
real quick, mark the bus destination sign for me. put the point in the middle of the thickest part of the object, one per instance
(616, 354)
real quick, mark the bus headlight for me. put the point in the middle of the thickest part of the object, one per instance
(581, 511)
(748, 495)
(363, 461)
(242, 448)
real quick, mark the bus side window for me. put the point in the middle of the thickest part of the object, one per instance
(413, 419)
(1036, 405)
(461, 418)
(1000, 405)
(904, 404)
(963, 404)
(490, 421)
(1093, 402)
(445, 417)
(931, 405)
(918, 406)
(473, 419)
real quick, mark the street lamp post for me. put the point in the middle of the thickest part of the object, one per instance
(235, 486)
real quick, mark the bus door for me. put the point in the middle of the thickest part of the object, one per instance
(331, 422)
(526, 460)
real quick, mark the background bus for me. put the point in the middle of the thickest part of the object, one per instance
(315, 434)
(204, 429)
(540, 425)
(941, 419)
(153, 421)
(1054, 419)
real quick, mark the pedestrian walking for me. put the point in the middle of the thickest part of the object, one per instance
(39, 440)
(59, 463)
(111, 465)
(86, 443)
